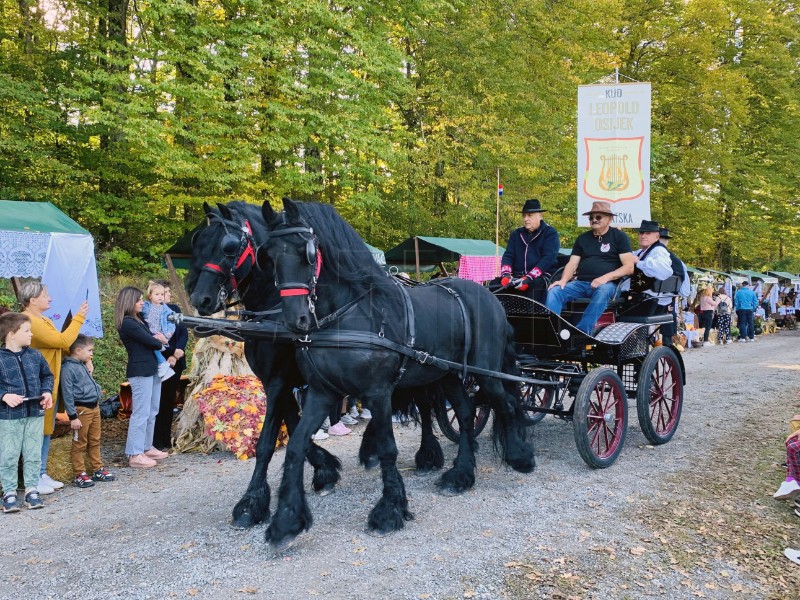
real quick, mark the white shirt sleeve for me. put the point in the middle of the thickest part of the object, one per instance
(656, 264)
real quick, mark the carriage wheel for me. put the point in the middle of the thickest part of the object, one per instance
(659, 395)
(446, 417)
(535, 396)
(600, 418)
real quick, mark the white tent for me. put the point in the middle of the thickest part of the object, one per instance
(39, 241)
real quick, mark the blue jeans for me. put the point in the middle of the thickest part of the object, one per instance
(46, 449)
(598, 300)
(146, 396)
(746, 324)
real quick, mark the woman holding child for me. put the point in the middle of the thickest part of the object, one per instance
(142, 373)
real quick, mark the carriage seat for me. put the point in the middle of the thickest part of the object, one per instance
(642, 308)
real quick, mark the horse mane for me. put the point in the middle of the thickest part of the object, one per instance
(344, 252)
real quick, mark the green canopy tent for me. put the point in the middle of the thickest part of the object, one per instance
(39, 241)
(756, 275)
(785, 278)
(424, 250)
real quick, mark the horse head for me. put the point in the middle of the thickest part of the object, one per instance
(294, 250)
(224, 256)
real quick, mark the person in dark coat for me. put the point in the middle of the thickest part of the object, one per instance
(531, 253)
(175, 353)
(142, 373)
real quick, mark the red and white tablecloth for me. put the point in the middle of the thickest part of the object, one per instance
(479, 268)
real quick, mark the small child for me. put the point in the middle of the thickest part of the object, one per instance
(26, 386)
(155, 313)
(81, 395)
(791, 487)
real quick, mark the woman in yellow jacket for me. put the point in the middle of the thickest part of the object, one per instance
(52, 343)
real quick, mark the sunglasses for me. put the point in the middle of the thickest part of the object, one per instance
(596, 217)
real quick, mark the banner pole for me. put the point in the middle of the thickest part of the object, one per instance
(497, 227)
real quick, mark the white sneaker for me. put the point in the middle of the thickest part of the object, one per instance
(44, 489)
(708, 344)
(787, 490)
(348, 420)
(365, 414)
(56, 485)
(353, 412)
(793, 555)
(320, 435)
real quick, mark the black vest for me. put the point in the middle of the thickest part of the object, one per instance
(639, 281)
(677, 266)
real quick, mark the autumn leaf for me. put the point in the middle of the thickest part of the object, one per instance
(248, 590)
(192, 591)
(637, 551)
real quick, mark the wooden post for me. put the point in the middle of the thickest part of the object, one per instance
(416, 255)
(177, 286)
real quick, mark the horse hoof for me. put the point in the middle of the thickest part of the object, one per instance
(377, 533)
(285, 544)
(450, 492)
(244, 521)
(371, 462)
(328, 489)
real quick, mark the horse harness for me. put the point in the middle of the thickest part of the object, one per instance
(313, 255)
(239, 251)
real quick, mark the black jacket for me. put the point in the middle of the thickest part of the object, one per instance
(526, 251)
(179, 339)
(141, 347)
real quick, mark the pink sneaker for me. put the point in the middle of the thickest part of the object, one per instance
(156, 454)
(141, 461)
(339, 429)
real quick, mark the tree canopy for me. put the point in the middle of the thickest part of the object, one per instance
(129, 115)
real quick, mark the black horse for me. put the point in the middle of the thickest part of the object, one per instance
(360, 320)
(226, 263)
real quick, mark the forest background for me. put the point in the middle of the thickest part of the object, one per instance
(129, 114)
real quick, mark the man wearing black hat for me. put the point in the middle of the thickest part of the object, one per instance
(651, 263)
(531, 252)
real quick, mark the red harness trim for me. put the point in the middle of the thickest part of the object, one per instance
(294, 292)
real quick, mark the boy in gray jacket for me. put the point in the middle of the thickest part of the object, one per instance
(81, 395)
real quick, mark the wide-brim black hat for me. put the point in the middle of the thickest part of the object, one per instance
(533, 205)
(649, 227)
(664, 233)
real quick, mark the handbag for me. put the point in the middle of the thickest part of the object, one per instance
(109, 407)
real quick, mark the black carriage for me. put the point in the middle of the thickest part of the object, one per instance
(592, 377)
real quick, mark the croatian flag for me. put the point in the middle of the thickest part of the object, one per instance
(500, 190)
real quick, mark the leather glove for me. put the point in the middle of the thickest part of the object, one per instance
(522, 283)
(505, 275)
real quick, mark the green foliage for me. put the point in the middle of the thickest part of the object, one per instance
(129, 116)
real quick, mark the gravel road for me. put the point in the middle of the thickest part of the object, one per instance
(164, 532)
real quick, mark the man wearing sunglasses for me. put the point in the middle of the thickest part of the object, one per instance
(599, 258)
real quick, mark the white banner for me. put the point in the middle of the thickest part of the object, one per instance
(70, 275)
(614, 150)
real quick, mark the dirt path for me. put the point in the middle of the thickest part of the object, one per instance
(693, 518)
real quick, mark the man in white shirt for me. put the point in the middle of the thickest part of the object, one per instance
(652, 262)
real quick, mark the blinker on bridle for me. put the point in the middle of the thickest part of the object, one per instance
(313, 256)
(239, 252)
